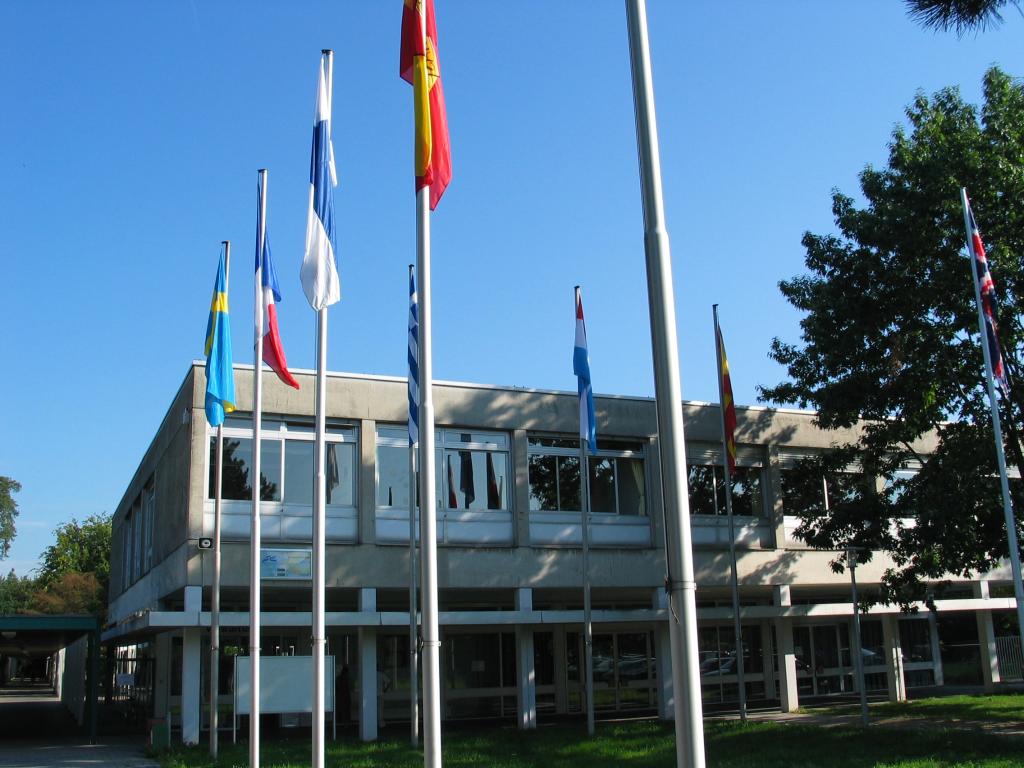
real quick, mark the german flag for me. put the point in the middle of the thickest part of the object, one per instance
(419, 65)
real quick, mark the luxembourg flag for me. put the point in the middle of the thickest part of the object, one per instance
(266, 278)
(581, 367)
(319, 272)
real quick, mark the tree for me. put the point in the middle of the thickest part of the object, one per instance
(16, 593)
(958, 15)
(72, 592)
(78, 548)
(889, 341)
(8, 511)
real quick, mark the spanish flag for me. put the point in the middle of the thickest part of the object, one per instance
(728, 404)
(419, 65)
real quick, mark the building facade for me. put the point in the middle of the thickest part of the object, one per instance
(509, 561)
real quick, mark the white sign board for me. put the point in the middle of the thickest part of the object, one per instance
(286, 684)
(286, 564)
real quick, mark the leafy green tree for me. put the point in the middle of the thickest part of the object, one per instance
(8, 512)
(16, 593)
(890, 341)
(71, 592)
(79, 547)
(959, 15)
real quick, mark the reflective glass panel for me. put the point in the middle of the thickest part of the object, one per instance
(298, 472)
(602, 485)
(340, 468)
(543, 483)
(632, 496)
(392, 476)
(476, 480)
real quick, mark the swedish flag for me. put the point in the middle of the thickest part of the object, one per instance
(220, 372)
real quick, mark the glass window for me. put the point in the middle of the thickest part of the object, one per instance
(707, 490)
(616, 475)
(915, 640)
(475, 479)
(392, 476)
(298, 468)
(235, 484)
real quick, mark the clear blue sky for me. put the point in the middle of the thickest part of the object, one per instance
(130, 136)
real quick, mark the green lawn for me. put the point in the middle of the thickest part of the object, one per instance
(644, 744)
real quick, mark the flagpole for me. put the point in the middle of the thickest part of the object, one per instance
(255, 477)
(428, 496)
(1011, 526)
(680, 582)
(320, 499)
(737, 624)
(414, 673)
(588, 633)
(215, 589)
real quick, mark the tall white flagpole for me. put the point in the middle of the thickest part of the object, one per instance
(215, 589)
(735, 581)
(320, 499)
(254, 478)
(414, 672)
(588, 627)
(668, 398)
(997, 429)
(428, 496)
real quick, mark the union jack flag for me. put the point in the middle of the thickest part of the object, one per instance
(987, 288)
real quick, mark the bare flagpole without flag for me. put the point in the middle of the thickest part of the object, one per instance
(728, 410)
(669, 401)
(990, 348)
(320, 283)
(414, 400)
(255, 477)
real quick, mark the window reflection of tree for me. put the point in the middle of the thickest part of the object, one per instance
(235, 477)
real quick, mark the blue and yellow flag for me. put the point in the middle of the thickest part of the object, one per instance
(220, 372)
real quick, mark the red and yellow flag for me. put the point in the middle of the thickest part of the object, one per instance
(419, 65)
(728, 405)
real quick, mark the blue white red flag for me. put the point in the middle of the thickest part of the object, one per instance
(988, 303)
(266, 278)
(414, 362)
(319, 272)
(581, 367)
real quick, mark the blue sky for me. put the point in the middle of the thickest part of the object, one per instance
(131, 135)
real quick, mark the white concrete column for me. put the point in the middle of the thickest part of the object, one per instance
(368, 670)
(933, 629)
(897, 683)
(663, 659)
(788, 698)
(768, 660)
(987, 640)
(526, 690)
(191, 665)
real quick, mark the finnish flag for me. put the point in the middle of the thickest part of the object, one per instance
(319, 273)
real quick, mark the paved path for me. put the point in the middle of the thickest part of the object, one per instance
(70, 755)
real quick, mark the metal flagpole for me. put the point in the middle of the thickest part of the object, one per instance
(255, 478)
(851, 560)
(320, 498)
(414, 673)
(428, 497)
(588, 630)
(215, 590)
(668, 398)
(1011, 525)
(737, 624)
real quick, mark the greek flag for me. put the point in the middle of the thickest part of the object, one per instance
(414, 365)
(581, 367)
(319, 273)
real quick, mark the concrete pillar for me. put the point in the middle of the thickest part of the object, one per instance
(526, 688)
(520, 471)
(933, 629)
(987, 640)
(768, 660)
(788, 698)
(367, 483)
(897, 683)
(776, 509)
(368, 726)
(663, 659)
(191, 664)
(161, 675)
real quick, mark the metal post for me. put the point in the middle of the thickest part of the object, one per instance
(414, 672)
(735, 583)
(428, 497)
(1008, 517)
(215, 589)
(668, 397)
(254, 548)
(588, 630)
(851, 560)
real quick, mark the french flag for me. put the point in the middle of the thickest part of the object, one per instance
(581, 367)
(266, 278)
(319, 272)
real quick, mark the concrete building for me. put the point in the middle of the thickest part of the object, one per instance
(509, 535)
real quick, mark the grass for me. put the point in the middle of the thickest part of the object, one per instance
(989, 709)
(647, 744)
